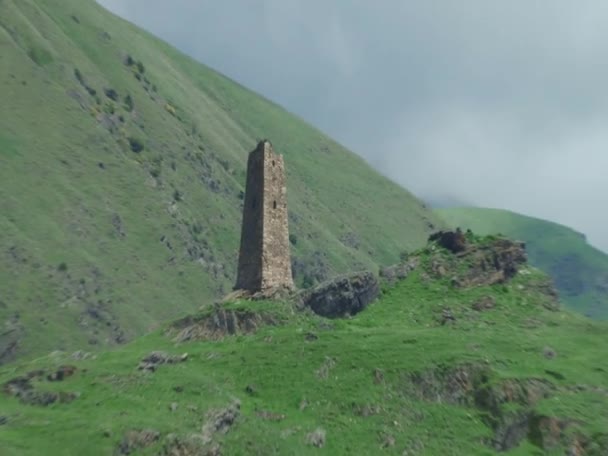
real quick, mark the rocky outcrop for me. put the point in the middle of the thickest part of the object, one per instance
(220, 323)
(487, 262)
(507, 406)
(154, 359)
(393, 274)
(136, 440)
(343, 296)
(454, 241)
(23, 388)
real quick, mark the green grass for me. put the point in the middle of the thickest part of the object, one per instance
(89, 180)
(580, 271)
(398, 335)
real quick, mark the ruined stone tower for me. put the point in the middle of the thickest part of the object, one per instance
(264, 260)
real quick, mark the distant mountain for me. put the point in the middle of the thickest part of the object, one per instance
(122, 164)
(579, 270)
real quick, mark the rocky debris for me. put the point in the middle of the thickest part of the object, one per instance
(81, 355)
(220, 323)
(310, 337)
(191, 445)
(493, 261)
(378, 376)
(388, 441)
(173, 406)
(454, 241)
(447, 317)
(549, 353)
(366, 410)
(154, 359)
(323, 371)
(506, 406)
(316, 438)
(397, 272)
(61, 373)
(220, 421)
(270, 416)
(343, 296)
(484, 303)
(136, 440)
(278, 293)
(23, 389)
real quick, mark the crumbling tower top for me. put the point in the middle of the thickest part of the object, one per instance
(264, 259)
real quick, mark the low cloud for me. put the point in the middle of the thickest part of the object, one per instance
(496, 104)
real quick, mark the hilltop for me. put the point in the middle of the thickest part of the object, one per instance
(580, 271)
(467, 351)
(123, 171)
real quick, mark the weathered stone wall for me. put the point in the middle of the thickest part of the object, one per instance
(264, 260)
(249, 275)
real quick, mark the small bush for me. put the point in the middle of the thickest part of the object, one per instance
(111, 94)
(293, 239)
(79, 77)
(108, 108)
(40, 56)
(177, 195)
(91, 91)
(128, 60)
(129, 105)
(136, 144)
(62, 267)
(141, 68)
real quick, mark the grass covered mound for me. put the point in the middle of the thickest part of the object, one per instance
(442, 363)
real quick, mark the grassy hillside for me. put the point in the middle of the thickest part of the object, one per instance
(428, 369)
(122, 165)
(579, 270)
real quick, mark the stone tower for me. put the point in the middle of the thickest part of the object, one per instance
(264, 260)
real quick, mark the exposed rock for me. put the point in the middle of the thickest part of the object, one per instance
(22, 388)
(486, 263)
(323, 371)
(192, 445)
(454, 241)
(366, 410)
(270, 416)
(378, 376)
(219, 324)
(220, 421)
(507, 406)
(397, 272)
(157, 358)
(173, 406)
(549, 353)
(61, 373)
(343, 296)
(316, 438)
(136, 440)
(484, 303)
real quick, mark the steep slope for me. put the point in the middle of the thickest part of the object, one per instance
(489, 365)
(579, 270)
(122, 165)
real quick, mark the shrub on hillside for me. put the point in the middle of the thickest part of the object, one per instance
(136, 144)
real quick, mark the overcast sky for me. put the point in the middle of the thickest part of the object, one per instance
(493, 103)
